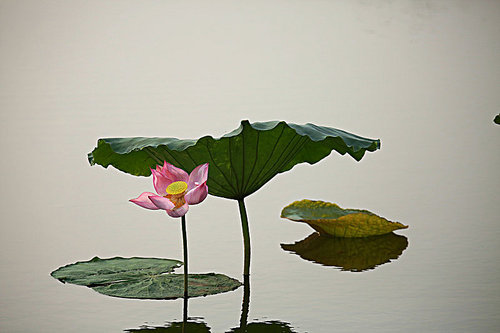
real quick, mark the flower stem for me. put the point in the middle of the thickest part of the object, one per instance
(246, 237)
(184, 243)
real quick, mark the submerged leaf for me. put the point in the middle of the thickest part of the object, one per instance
(142, 278)
(349, 254)
(241, 161)
(329, 219)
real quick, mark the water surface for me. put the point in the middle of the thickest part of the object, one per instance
(422, 76)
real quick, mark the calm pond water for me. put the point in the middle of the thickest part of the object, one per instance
(423, 76)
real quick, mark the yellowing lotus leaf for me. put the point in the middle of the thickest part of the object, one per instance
(329, 219)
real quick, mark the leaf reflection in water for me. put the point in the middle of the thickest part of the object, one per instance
(196, 325)
(193, 325)
(272, 326)
(349, 254)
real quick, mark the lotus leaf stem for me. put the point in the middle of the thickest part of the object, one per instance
(246, 237)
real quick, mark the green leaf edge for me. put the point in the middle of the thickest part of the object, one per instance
(110, 151)
(181, 144)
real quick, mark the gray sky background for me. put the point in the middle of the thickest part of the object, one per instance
(423, 76)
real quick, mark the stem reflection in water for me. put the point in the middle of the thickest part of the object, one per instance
(245, 305)
(257, 326)
(185, 314)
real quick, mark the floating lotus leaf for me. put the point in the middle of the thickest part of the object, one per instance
(241, 161)
(329, 219)
(349, 254)
(497, 119)
(142, 278)
(170, 286)
(104, 271)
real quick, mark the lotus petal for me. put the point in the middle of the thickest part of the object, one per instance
(162, 202)
(144, 201)
(197, 194)
(178, 212)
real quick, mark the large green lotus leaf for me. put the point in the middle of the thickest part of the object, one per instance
(241, 161)
(329, 219)
(143, 278)
(497, 119)
(104, 271)
(349, 254)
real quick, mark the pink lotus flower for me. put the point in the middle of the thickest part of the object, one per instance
(176, 189)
